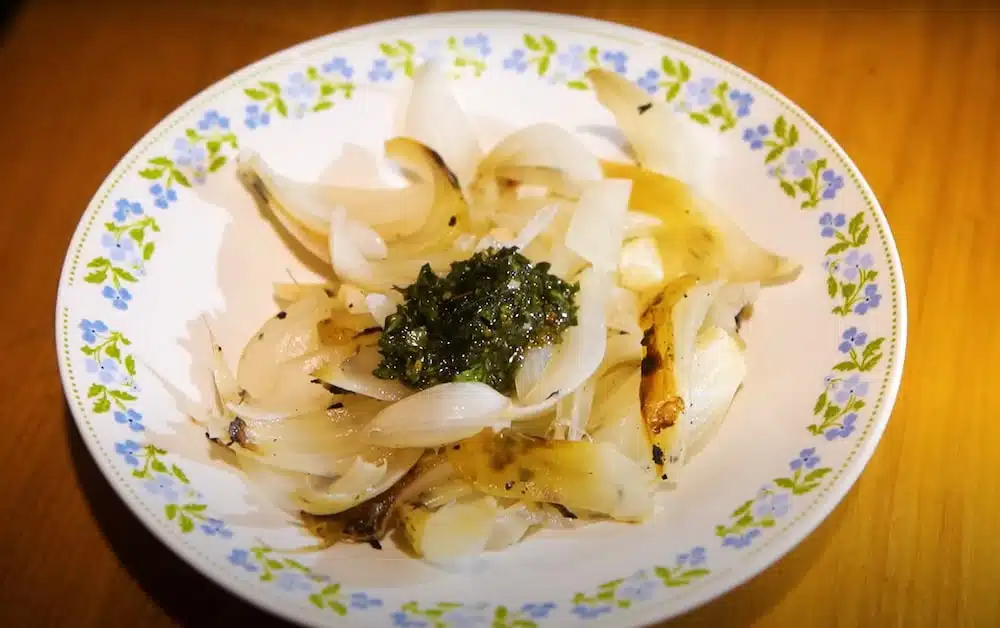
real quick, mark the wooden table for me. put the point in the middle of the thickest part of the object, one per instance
(910, 93)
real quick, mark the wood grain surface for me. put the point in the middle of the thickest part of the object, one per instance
(910, 91)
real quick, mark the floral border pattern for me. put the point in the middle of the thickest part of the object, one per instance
(802, 174)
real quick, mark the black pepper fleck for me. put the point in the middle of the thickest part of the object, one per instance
(645, 107)
(657, 454)
(281, 315)
(452, 221)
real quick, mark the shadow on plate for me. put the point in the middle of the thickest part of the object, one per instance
(185, 595)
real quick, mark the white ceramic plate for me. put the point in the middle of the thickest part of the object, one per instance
(171, 235)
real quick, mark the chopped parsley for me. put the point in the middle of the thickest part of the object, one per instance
(475, 323)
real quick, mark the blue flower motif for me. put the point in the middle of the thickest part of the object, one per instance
(574, 60)
(132, 418)
(871, 300)
(300, 88)
(127, 450)
(743, 101)
(590, 612)
(292, 581)
(124, 209)
(91, 329)
(403, 620)
(754, 136)
(538, 611)
(362, 601)
(216, 527)
(650, 81)
(693, 558)
(119, 297)
(433, 50)
(338, 65)
(637, 587)
(256, 117)
(776, 171)
(187, 153)
(831, 183)
(212, 120)
(106, 369)
(480, 43)
(800, 160)
(847, 428)
(241, 558)
(380, 71)
(807, 458)
(700, 91)
(831, 223)
(119, 249)
(856, 262)
(162, 485)
(772, 505)
(617, 59)
(739, 541)
(162, 197)
(852, 338)
(517, 61)
(851, 386)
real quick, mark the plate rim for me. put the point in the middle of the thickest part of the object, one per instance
(758, 560)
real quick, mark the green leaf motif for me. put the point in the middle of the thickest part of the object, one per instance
(668, 67)
(549, 44)
(322, 106)
(158, 466)
(179, 474)
(123, 274)
(847, 290)
(101, 406)
(337, 608)
(94, 390)
(700, 118)
(162, 161)
(784, 482)
(543, 65)
(180, 178)
(151, 173)
(831, 286)
(844, 366)
(147, 251)
(872, 347)
(271, 86)
(217, 163)
(330, 589)
(281, 107)
(121, 395)
(171, 511)
(388, 50)
(820, 403)
(839, 247)
(187, 524)
(685, 72)
(862, 236)
(672, 92)
(405, 46)
(580, 85)
(316, 600)
(97, 276)
(855, 223)
(817, 474)
(773, 154)
(793, 135)
(831, 411)
(531, 43)
(780, 127)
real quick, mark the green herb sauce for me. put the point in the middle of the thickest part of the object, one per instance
(475, 323)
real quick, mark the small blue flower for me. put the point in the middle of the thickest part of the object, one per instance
(517, 61)
(91, 329)
(637, 587)
(300, 88)
(772, 505)
(292, 581)
(807, 458)
(107, 369)
(650, 81)
(538, 611)
(162, 485)
(188, 154)
(465, 617)
(211, 120)
(590, 612)
(119, 297)
(124, 209)
(852, 386)
(743, 101)
(852, 337)
(831, 265)
(754, 136)
(338, 65)
(403, 620)
(831, 183)
(132, 418)
(739, 541)
(800, 160)
(362, 601)
(163, 197)
(255, 117)
(700, 91)
(480, 43)
(380, 71)
(241, 558)
(617, 59)
(831, 223)
(855, 263)
(433, 50)
(845, 430)
(693, 558)
(216, 527)
(127, 450)
(871, 300)
(574, 60)
(119, 249)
